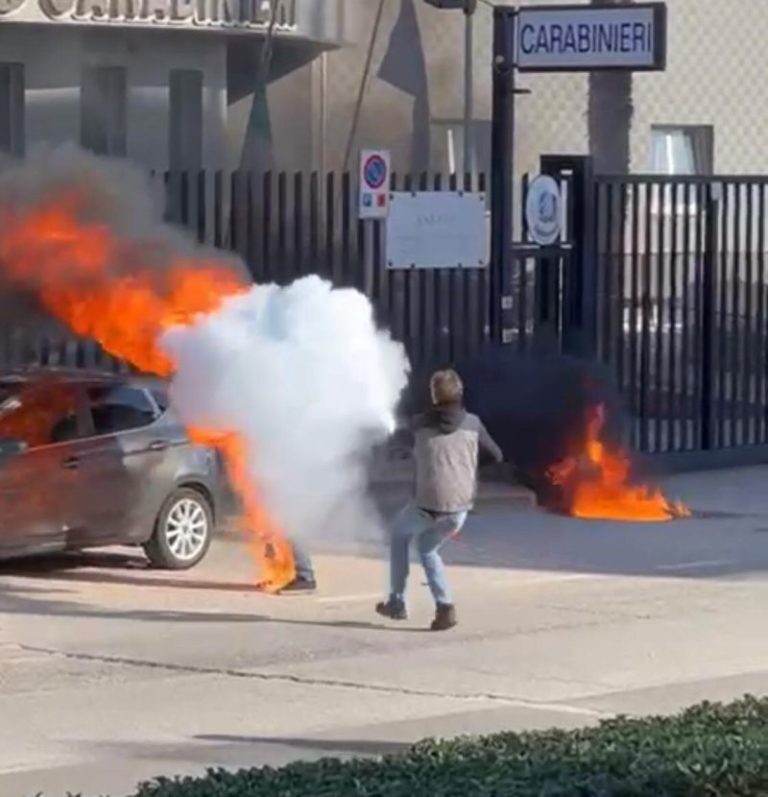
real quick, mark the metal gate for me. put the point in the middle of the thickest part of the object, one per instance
(669, 289)
(681, 307)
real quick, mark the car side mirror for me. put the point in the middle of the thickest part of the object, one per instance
(10, 447)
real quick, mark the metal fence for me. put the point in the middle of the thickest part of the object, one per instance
(285, 226)
(670, 272)
(682, 307)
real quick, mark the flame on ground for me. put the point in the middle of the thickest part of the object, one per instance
(597, 484)
(70, 264)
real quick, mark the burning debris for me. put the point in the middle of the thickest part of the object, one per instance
(292, 385)
(596, 484)
(559, 420)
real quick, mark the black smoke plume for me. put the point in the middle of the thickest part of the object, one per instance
(536, 407)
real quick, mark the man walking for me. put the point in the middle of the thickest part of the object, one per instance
(447, 443)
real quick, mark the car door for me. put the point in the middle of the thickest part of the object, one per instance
(117, 460)
(38, 485)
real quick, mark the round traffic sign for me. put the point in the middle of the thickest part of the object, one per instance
(543, 209)
(375, 172)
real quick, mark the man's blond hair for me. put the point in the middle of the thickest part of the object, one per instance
(446, 387)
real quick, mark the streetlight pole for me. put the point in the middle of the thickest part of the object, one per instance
(468, 7)
(469, 88)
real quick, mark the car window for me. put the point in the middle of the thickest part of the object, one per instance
(119, 408)
(41, 416)
(161, 398)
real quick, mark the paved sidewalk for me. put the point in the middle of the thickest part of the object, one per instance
(113, 673)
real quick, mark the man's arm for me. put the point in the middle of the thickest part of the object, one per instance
(488, 445)
(404, 436)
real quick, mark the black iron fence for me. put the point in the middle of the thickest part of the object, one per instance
(682, 307)
(677, 294)
(285, 226)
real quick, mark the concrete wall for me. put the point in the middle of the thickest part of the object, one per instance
(550, 119)
(717, 65)
(54, 57)
(717, 75)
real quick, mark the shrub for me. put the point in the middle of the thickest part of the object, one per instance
(710, 750)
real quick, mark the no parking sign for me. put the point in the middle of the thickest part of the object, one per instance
(374, 184)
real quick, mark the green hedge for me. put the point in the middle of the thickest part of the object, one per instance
(710, 750)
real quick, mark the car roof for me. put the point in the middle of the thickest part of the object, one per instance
(34, 375)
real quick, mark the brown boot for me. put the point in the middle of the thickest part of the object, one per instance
(445, 617)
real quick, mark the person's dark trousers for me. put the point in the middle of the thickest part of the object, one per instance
(305, 573)
(303, 562)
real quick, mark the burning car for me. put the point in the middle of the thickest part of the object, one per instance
(90, 459)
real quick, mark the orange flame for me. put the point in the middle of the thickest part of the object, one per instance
(597, 483)
(74, 267)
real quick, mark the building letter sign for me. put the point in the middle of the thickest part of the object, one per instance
(585, 38)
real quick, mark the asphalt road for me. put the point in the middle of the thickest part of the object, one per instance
(111, 673)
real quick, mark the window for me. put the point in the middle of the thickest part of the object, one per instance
(683, 150)
(119, 409)
(185, 130)
(102, 110)
(161, 399)
(12, 109)
(450, 132)
(41, 416)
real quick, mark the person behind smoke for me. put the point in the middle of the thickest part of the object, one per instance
(304, 580)
(447, 443)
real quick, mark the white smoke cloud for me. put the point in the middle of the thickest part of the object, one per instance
(302, 372)
(305, 376)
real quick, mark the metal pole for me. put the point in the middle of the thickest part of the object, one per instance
(469, 89)
(502, 181)
(323, 114)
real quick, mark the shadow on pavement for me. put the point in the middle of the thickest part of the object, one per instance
(712, 544)
(46, 602)
(113, 568)
(357, 747)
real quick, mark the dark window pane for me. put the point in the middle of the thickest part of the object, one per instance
(103, 110)
(118, 409)
(12, 108)
(185, 130)
(161, 399)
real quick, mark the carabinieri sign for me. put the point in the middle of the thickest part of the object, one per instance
(579, 38)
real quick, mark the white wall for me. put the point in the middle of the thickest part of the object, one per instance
(717, 64)
(54, 57)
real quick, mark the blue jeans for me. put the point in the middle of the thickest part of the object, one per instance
(302, 562)
(430, 531)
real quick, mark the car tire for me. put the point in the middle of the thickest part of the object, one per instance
(183, 531)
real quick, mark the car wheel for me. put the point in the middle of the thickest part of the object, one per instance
(183, 531)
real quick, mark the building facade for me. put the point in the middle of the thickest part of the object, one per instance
(166, 83)
(706, 112)
(180, 84)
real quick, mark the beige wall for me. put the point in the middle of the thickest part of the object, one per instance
(54, 57)
(717, 67)
(551, 119)
(717, 74)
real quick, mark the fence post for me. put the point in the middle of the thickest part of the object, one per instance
(708, 316)
(502, 179)
(580, 283)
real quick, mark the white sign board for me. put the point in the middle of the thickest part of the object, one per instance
(437, 229)
(374, 184)
(577, 38)
(543, 210)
